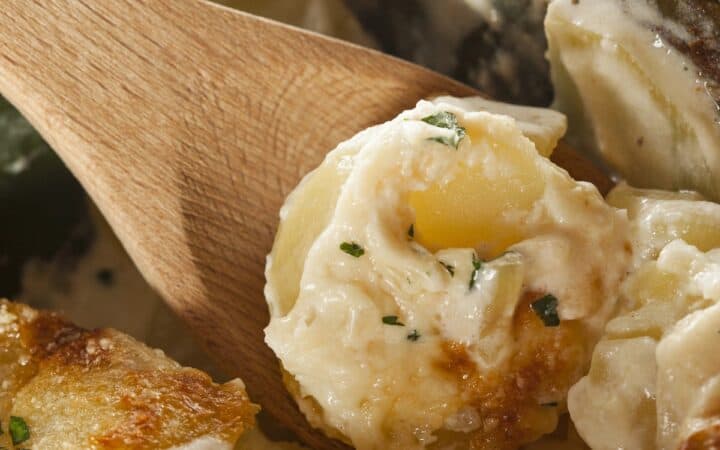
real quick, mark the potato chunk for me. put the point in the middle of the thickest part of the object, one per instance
(479, 207)
(659, 217)
(653, 383)
(437, 281)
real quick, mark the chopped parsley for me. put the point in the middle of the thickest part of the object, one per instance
(546, 309)
(411, 231)
(352, 249)
(392, 320)
(414, 336)
(19, 431)
(442, 119)
(449, 267)
(449, 121)
(477, 265)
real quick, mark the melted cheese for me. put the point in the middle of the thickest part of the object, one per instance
(542, 126)
(481, 354)
(659, 217)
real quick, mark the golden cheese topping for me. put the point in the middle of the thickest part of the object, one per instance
(654, 382)
(101, 389)
(437, 281)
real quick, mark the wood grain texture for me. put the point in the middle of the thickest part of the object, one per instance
(188, 123)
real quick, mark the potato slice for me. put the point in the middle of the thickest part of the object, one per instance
(479, 207)
(652, 382)
(659, 217)
(67, 387)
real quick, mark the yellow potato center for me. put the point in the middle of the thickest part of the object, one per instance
(483, 206)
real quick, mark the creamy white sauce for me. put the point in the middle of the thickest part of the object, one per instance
(204, 443)
(659, 217)
(654, 380)
(543, 126)
(373, 384)
(631, 96)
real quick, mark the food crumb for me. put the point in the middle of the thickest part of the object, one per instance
(106, 277)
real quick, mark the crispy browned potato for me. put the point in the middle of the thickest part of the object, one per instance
(62, 386)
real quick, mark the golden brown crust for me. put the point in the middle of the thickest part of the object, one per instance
(706, 439)
(102, 389)
(187, 398)
(517, 405)
(520, 404)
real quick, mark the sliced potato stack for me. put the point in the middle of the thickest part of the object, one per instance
(654, 381)
(640, 83)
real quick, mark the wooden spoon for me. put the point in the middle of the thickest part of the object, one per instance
(188, 123)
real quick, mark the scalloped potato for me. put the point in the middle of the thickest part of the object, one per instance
(654, 381)
(65, 387)
(639, 81)
(438, 282)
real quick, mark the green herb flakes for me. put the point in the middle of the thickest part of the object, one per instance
(448, 121)
(19, 431)
(477, 266)
(442, 119)
(352, 249)
(392, 320)
(414, 336)
(449, 267)
(546, 309)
